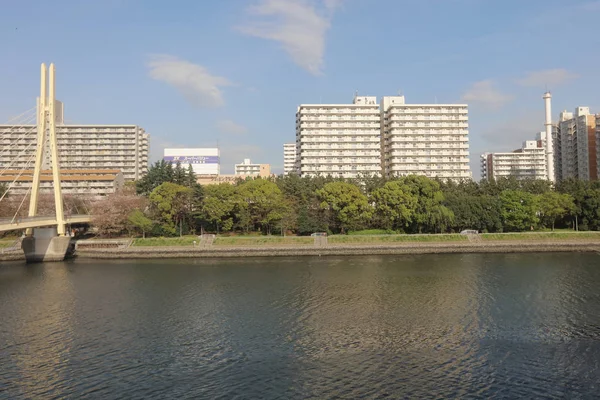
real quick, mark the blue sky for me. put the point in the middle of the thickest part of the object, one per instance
(198, 72)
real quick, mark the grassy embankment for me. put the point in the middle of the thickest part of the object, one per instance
(243, 241)
(559, 235)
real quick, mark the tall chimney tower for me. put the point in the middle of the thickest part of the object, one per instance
(549, 143)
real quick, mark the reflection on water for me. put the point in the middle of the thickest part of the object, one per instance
(376, 327)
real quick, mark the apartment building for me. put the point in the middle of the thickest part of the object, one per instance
(88, 182)
(576, 145)
(289, 158)
(528, 162)
(122, 147)
(341, 140)
(391, 138)
(424, 139)
(247, 168)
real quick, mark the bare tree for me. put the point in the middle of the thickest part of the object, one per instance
(110, 214)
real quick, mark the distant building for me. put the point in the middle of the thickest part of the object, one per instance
(339, 139)
(392, 138)
(88, 182)
(424, 139)
(246, 168)
(120, 147)
(528, 162)
(289, 158)
(576, 145)
(204, 161)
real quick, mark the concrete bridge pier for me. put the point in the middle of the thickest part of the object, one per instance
(44, 246)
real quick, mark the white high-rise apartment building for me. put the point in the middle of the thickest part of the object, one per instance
(424, 139)
(576, 145)
(527, 162)
(392, 138)
(289, 158)
(108, 147)
(339, 139)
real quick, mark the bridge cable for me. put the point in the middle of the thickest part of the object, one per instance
(17, 177)
(14, 144)
(17, 158)
(20, 115)
(30, 120)
(21, 205)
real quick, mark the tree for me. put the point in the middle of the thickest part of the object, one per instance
(480, 212)
(179, 174)
(519, 210)
(172, 205)
(139, 220)
(158, 173)
(311, 218)
(590, 210)
(289, 219)
(349, 208)
(264, 200)
(190, 178)
(3, 189)
(219, 205)
(110, 214)
(555, 205)
(394, 205)
(429, 199)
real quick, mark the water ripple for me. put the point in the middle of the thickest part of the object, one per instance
(454, 326)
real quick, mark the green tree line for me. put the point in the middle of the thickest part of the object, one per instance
(169, 202)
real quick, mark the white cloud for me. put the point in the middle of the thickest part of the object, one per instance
(193, 81)
(547, 78)
(298, 25)
(485, 94)
(228, 126)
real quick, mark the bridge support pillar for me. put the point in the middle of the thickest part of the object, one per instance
(45, 246)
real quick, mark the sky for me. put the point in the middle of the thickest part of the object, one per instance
(232, 73)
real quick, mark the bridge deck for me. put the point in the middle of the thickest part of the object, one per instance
(8, 224)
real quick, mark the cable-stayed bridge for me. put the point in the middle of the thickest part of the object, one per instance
(46, 237)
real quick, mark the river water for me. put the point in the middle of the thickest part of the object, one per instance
(432, 326)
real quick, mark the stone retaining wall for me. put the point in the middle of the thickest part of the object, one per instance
(343, 250)
(330, 250)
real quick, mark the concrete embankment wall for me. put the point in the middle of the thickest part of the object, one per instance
(343, 250)
(331, 250)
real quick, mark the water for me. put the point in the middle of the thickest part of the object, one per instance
(448, 326)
